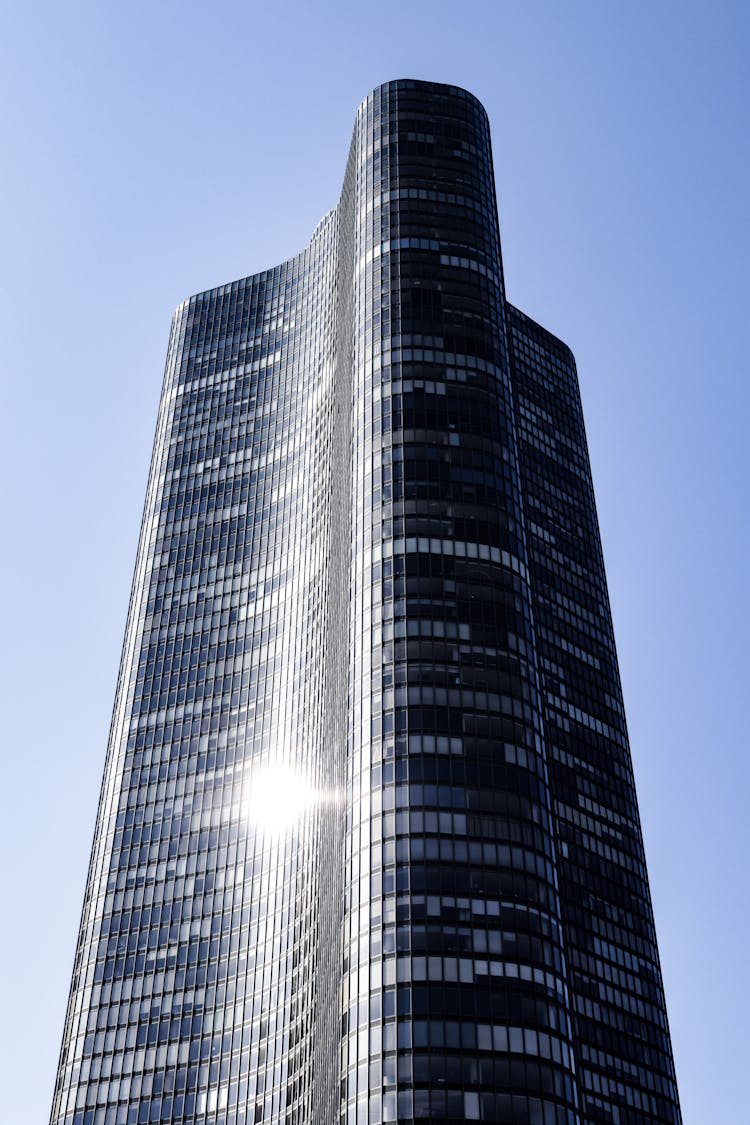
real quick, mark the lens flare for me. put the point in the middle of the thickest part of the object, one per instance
(276, 799)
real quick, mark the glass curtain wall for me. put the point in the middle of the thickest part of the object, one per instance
(368, 847)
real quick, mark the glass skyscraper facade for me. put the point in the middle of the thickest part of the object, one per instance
(368, 847)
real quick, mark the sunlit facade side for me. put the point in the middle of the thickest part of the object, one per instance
(367, 847)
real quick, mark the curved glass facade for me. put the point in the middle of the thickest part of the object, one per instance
(367, 847)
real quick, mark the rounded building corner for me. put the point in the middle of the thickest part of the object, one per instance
(424, 86)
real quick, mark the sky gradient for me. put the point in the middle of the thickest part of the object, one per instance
(153, 150)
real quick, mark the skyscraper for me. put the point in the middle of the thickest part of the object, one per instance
(368, 846)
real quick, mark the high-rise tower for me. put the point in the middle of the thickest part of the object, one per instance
(368, 847)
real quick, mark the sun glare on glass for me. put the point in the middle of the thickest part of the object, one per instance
(276, 799)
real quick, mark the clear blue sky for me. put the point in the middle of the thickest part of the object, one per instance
(152, 150)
